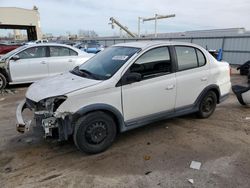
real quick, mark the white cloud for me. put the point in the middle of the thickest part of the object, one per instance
(59, 16)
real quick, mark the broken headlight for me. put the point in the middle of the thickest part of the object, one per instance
(51, 104)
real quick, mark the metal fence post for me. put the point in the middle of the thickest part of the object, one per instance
(222, 47)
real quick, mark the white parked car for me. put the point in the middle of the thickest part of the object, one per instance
(30, 63)
(124, 87)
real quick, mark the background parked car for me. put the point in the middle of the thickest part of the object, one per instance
(5, 48)
(80, 45)
(93, 48)
(29, 63)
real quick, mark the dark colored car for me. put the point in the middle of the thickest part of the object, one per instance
(244, 69)
(242, 94)
(248, 77)
(5, 48)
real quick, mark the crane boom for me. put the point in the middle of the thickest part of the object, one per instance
(158, 17)
(114, 21)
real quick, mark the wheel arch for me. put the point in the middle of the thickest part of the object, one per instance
(3, 71)
(214, 88)
(112, 111)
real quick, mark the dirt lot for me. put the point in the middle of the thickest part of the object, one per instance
(157, 155)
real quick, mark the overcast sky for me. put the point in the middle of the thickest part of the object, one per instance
(60, 16)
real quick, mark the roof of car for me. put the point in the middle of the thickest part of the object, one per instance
(146, 44)
(49, 44)
(55, 44)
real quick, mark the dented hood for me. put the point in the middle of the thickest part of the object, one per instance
(58, 85)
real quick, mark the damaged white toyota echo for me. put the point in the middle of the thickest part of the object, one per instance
(124, 87)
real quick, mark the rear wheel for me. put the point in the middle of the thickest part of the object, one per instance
(207, 105)
(3, 81)
(94, 132)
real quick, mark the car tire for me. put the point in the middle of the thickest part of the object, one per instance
(94, 132)
(3, 81)
(207, 105)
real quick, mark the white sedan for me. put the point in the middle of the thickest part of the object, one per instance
(124, 87)
(30, 63)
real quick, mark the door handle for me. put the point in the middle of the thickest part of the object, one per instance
(170, 87)
(204, 79)
(70, 60)
(43, 62)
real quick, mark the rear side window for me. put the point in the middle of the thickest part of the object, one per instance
(72, 53)
(56, 51)
(201, 58)
(189, 57)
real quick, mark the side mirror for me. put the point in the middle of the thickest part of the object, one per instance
(132, 77)
(15, 57)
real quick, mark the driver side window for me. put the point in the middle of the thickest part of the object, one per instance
(153, 63)
(33, 52)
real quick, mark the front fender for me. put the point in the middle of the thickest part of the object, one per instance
(101, 107)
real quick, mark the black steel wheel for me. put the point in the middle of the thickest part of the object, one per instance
(207, 105)
(94, 132)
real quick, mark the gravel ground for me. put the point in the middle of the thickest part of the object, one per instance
(157, 155)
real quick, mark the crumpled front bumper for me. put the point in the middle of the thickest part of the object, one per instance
(45, 119)
(21, 124)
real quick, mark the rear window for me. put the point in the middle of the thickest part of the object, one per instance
(56, 51)
(189, 57)
(201, 58)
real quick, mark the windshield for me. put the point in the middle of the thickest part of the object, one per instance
(6, 56)
(105, 64)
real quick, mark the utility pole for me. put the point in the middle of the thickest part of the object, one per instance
(139, 26)
(155, 18)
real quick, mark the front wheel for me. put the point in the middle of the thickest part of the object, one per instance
(94, 132)
(207, 105)
(3, 81)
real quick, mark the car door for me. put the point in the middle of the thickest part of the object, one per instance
(62, 59)
(192, 75)
(156, 92)
(30, 65)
